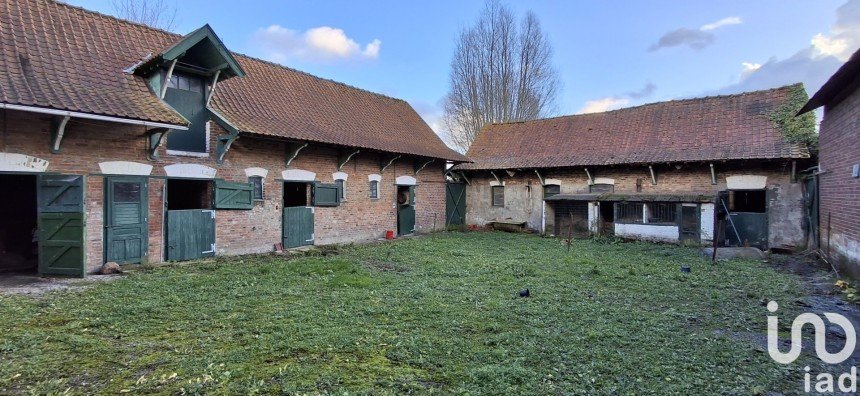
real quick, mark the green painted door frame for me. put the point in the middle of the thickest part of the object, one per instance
(406, 213)
(61, 224)
(455, 204)
(190, 234)
(126, 219)
(298, 226)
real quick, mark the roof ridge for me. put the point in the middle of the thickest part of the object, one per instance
(278, 65)
(123, 20)
(694, 99)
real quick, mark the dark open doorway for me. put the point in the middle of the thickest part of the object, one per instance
(18, 245)
(189, 219)
(607, 218)
(298, 216)
(296, 194)
(189, 194)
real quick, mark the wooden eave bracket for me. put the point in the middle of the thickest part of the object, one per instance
(541, 179)
(510, 173)
(385, 160)
(224, 141)
(211, 91)
(463, 174)
(58, 133)
(590, 179)
(713, 174)
(653, 175)
(419, 166)
(155, 138)
(343, 157)
(292, 151)
(496, 177)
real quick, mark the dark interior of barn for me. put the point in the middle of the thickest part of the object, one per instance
(18, 248)
(183, 194)
(295, 194)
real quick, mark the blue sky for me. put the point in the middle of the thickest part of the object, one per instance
(607, 52)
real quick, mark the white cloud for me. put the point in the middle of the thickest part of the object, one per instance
(603, 104)
(722, 22)
(831, 46)
(320, 43)
(811, 65)
(696, 39)
(749, 68)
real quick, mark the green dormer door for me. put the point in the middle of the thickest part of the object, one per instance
(186, 94)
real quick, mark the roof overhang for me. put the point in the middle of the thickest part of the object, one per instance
(199, 52)
(841, 84)
(616, 197)
(88, 116)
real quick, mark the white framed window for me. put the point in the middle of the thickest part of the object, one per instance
(340, 182)
(257, 183)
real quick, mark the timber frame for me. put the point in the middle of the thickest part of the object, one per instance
(385, 160)
(292, 151)
(418, 166)
(344, 156)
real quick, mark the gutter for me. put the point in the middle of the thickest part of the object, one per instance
(65, 113)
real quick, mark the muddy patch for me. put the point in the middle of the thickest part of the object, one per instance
(37, 286)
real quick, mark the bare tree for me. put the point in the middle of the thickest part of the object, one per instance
(501, 71)
(156, 13)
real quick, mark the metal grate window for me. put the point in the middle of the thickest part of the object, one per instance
(498, 196)
(628, 212)
(662, 212)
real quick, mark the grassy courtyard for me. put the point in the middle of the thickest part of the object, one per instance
(435, 314)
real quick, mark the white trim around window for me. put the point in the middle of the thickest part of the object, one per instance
(262, 172)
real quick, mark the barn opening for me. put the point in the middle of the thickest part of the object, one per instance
(190, 220)
(607, 218)
(183, 194)
(296, 194)
(298, 216)
(748, 201)
(18, 244)
(571, 218)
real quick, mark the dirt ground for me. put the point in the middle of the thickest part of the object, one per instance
(34, 285)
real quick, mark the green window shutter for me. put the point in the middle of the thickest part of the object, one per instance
(232, 195)
(326, 194)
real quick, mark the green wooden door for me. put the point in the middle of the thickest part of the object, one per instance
(455, 204)
(298, 226)
(191, 104)
(61, 225)
(190, 234)
(406, 214)
(126, 215)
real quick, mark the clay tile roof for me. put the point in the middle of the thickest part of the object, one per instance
(62, 57)
(274, 100)
(729, 127)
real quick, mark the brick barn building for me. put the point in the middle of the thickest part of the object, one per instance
(120, 142)
(839, 166)
(670, 171)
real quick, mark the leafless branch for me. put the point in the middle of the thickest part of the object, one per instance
(501, 71)
(156, 13)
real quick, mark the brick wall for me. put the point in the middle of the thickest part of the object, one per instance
(839, 190)
(524, 193)
(359, 218)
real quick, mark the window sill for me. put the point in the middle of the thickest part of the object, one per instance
(179, 153)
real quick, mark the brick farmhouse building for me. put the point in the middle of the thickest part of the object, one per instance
(677, 171)
(120, 142)
(839, 173)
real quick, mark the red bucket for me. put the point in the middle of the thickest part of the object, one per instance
(389, 234)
